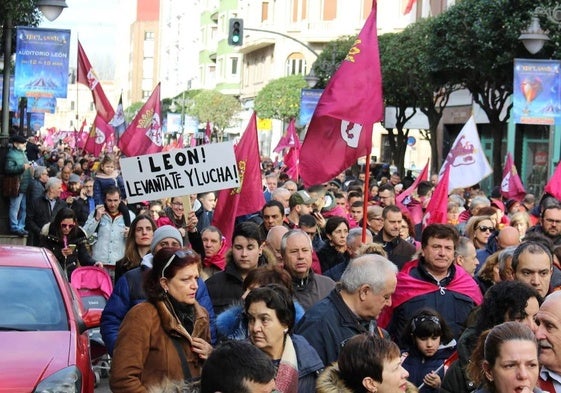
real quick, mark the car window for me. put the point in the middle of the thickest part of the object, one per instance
(30, 299)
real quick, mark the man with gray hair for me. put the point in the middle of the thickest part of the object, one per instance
(366, 287)
(42, 210)
(309, 287)
(466, 255)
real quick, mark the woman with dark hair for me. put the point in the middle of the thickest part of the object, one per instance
(232, 323)
(68, 241)
(271, 316)
(366, 363)
(505, 360)
(166, 337)
(504, 301)
(429, 343)
(334, 251)
(137, 244)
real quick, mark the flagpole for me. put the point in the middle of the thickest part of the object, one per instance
(365, 198)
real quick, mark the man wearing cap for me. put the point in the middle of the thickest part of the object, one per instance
(17, 168)
(129, 289)
(300, 203)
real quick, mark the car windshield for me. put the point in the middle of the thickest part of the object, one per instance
(30, 299)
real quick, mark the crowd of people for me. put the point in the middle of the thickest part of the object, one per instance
(330, 288)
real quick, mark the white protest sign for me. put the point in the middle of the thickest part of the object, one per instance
(180, 172)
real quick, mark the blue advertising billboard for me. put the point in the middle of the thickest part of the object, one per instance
(308, 101)
(537, 91)
(41, 62)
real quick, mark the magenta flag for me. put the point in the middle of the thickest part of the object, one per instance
(144, 134)
(424, 175)
(208, 133)
(248, 197)
(290, 139)
(341, 127)
(553, 186)
(437, 209)
(101, 134)
(511, 185)
(88, 77)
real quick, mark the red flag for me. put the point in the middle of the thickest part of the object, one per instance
(351, 103)
(208, 132)
(437, 208)
(180, 141)
(101, 134)
(144, 134)
(290, 139)
(511, 186)
(424, 175)
(248, 197)
(291, 161)
(409, 7)
(88, 77)
(553, 186)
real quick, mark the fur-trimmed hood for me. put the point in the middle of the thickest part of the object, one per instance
(329, 381)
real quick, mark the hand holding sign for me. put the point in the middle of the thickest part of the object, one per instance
(180, 172)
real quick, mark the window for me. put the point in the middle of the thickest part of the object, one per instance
(296, 64)
(264, 11)
(234, 66)
(329, 9)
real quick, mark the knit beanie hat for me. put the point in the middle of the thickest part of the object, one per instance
(164, 232)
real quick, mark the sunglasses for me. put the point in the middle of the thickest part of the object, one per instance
(69, 226)
(179, 254)
(486, 229)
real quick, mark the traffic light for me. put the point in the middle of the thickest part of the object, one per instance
(235, 33)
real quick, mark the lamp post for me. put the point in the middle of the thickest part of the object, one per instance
(534, 39)
(51, 9)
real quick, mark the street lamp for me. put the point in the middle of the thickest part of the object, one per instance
(534, 38)
(51, 9)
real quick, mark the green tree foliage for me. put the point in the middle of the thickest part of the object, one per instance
(330, 58)
(17, 13)
(280, 98)
(473, 45)
(215, 107)
(396, 62)
(131, 111)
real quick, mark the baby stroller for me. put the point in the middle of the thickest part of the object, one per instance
(94, 286)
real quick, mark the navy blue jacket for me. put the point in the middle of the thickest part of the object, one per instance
(128, 292)
(328, 324)
(419, 366)
(309, 364)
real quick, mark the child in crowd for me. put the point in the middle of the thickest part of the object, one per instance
(430, 343)
(107, 176)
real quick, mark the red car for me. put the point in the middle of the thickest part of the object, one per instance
(43, 338)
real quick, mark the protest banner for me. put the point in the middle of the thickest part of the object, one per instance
(180, 172)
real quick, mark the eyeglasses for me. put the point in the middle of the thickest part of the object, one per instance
(69, 226)
(486, 229)
(179, 254)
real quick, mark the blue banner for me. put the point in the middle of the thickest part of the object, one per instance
(13, 99)
(36, 121)
(308, 101)
(41, 104)
(41, 62)
(537, 91)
